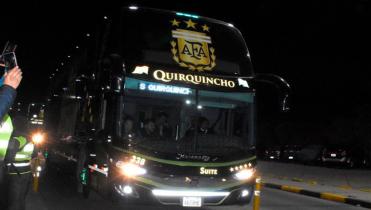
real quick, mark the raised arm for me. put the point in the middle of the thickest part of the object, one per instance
(9, 84)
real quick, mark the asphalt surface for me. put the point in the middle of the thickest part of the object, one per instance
(57, 192)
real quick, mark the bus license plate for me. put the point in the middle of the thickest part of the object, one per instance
(333, 155)
(192, 201)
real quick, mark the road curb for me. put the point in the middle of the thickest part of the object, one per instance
(321, 195)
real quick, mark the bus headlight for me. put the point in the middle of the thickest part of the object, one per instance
(245, 174)
(37, 138)
(130, 169)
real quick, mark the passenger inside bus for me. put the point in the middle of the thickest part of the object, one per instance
(149, 129)
(203, 125)
(128, 131)
(162, 125)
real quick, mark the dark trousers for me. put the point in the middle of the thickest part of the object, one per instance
(14, 190)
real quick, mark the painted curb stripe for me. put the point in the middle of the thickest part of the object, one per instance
(325, 196)
(311, 193)
(291, 189)
(333, 197)
(273, 186)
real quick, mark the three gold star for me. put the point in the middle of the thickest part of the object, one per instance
(175, 22)
(205, 28)
(190, 24)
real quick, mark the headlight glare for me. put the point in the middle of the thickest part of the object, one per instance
(37, 138)
(130, 169)
(245, 174)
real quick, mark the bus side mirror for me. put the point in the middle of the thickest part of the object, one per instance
(281, 84)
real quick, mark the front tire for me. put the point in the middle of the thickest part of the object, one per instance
(247, 200)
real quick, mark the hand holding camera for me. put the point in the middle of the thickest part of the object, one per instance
(8, 61)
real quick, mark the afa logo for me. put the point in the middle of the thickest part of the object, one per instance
(190, 48)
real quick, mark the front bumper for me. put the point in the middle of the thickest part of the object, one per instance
(177, 182)
(237, 195)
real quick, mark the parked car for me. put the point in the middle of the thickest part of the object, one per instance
(336, 154)
(347, 156)
(272, 153)
(289, 152)
(310, 154)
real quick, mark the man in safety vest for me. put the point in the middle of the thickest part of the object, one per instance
(18, 174)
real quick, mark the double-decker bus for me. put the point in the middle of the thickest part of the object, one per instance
(159, 106)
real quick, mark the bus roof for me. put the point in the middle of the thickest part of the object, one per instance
(178, 41)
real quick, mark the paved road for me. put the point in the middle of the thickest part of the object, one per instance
(57, 193)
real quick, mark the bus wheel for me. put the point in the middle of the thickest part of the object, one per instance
(246, 201)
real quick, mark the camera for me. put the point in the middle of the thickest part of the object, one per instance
(8, 59)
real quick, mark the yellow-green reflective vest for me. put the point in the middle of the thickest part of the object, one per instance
(25, 154)
(6, 130)
(22, 160)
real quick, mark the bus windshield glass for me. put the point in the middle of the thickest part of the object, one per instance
(173, 119)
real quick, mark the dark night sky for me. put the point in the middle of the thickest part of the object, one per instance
(321, 47)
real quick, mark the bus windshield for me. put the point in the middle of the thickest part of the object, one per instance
(173, 119)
